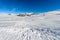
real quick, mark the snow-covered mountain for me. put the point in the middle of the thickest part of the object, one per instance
(35, 27)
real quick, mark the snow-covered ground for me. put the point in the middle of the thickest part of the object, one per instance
(35, 27)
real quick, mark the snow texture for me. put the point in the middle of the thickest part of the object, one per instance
(35, 27)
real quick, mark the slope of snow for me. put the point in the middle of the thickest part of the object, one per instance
(34, 27)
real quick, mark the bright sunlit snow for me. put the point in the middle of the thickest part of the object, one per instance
(34, 27)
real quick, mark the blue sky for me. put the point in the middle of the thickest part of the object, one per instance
(38, 6)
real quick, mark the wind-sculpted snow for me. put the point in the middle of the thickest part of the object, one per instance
(29, 34)
(34, 27)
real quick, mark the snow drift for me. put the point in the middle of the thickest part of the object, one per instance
(35, 27)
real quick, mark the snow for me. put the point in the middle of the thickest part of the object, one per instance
(35, 27)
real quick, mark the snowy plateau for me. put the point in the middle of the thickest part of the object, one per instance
(35, 27)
